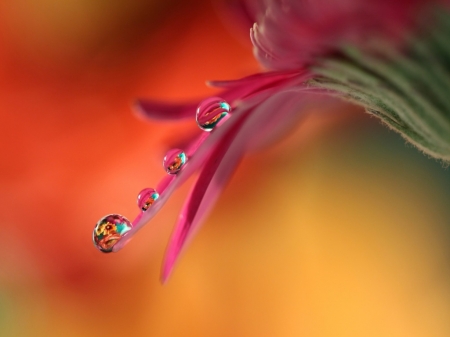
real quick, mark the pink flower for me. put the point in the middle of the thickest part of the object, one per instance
(289, 34)
(354, 50)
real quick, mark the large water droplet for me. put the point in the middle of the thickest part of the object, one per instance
(109, 230)
(210, 112)
(174, 161)
(146, 198)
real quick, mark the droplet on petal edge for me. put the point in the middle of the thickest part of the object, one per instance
(210, 112)
(109, 230)
(174, 161)
(146, 198)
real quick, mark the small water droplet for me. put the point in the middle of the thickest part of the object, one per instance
(109, 230)
(174, 161)
(210, 112)
(146, 198)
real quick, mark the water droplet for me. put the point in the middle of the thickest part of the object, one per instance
(109, 230)
(174, 161)
(146, 198)
(210, 112)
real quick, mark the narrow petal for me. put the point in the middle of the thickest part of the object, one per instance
(163, 111)
(290, 113)
(263, 54)
(199, 151)
(255, 80)
(235, 89)
(202, 197)
(217, 171)
(169, 184)
(258, 84)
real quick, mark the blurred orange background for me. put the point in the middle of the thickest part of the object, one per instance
(339, 230)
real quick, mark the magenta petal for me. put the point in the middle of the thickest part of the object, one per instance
(236, 89)
(202, 147)
(217, 170)
(290, 112)
(215, 174)
(290, 34)
(255, 80)
(255, 85)
(164, 111)
(263, 54)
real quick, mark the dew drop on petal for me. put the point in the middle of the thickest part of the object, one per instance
(174, 161)
(109, 230)
(210, 112)
(146, 198)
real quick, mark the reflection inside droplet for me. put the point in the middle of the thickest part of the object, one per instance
(174, 161)
(146, 198)
(109, 230)
(210, 112)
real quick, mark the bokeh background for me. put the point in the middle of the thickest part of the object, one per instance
(341, 229)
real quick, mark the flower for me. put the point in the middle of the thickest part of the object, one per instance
(359, 51)
(288, 34)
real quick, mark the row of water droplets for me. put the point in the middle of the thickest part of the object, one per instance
(113, 227)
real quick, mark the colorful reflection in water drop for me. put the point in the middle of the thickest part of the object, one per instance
(210, 112)
(146, 198)
(174, 161)
(109, 230)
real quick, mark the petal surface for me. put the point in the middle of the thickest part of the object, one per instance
(218, 169)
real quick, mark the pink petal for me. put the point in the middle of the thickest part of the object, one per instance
(259, 84)
(290, 34)
(200, 150)
(235, 89)
(262, 53)
(164, 111)
(168, 185)
(202, 147)
(255, 80)
(288, 116)
(203, 196)
(217, 171)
